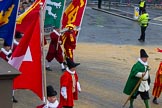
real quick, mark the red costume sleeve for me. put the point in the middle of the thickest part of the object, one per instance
(54, 37)
(3, 56)
(159, 50)
(76, 77)
(73, 40)
(64, 80)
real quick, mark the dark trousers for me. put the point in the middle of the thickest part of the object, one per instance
(144, 95)
(143, 29)
(140, 10)
(99, 4)
(67, 107)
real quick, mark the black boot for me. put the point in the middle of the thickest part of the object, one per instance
(63, 70)
(141, 40)
(14, 100)
(155, 101)
(48, 69)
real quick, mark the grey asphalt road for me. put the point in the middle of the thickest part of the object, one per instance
(153, 13)
(101, 27)
(106, 51)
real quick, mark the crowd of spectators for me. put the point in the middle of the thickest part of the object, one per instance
(24, 5)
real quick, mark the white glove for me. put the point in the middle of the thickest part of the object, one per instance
(6, 52)
(78, 86)
(56, 32)
(64, 92)
(79, 28)
(60, 42)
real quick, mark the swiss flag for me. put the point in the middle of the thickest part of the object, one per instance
(27, 59)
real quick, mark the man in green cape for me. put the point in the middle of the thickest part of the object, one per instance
(139, 70)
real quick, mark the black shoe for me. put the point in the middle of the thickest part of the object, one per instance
(63, 70)
(48, 69)
(130, 106)
(64, 63)
(14, 100)
(155, 101)
(141, 40)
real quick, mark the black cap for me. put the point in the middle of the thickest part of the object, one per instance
(71, 64)
(143, 54)
(5, 44)
(18, 34)
(50, 91)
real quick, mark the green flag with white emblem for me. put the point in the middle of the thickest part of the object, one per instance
(53, 15)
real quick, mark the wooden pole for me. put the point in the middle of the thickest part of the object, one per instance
(43, 53)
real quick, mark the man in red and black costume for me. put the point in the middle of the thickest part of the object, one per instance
(55, 50)
(158, 83)
(69, 41)
(69, 86)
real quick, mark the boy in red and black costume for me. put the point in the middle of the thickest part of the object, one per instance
(69, 86)
(55, 50)
(69, 41)
(52, 101)
(17, 39)
(5, 52)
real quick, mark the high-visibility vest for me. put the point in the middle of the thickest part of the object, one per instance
(142, 4)
(144, 19)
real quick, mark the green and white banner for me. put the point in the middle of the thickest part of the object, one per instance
(53, 15)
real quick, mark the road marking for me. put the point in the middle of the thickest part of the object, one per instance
(158, 18)
(100, 26)
(155, 24)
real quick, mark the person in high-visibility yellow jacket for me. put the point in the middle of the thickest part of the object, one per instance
(142, 6)
(143, 21)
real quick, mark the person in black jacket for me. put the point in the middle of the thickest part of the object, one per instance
(99, 4)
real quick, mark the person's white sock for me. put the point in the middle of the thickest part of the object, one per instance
(13, 92)
(47, 64)
(62, 66)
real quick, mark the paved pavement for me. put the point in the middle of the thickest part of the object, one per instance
(107, 48)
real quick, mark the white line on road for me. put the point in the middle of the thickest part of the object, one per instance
(155, 24)
(158, 18)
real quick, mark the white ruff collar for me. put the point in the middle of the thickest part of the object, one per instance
(144, 63)
(51, 105)
(71, 72)
(6, 52)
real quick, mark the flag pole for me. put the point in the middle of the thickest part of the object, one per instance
(15, 24)
(62, 15)
(43, 54)
(81, 20)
